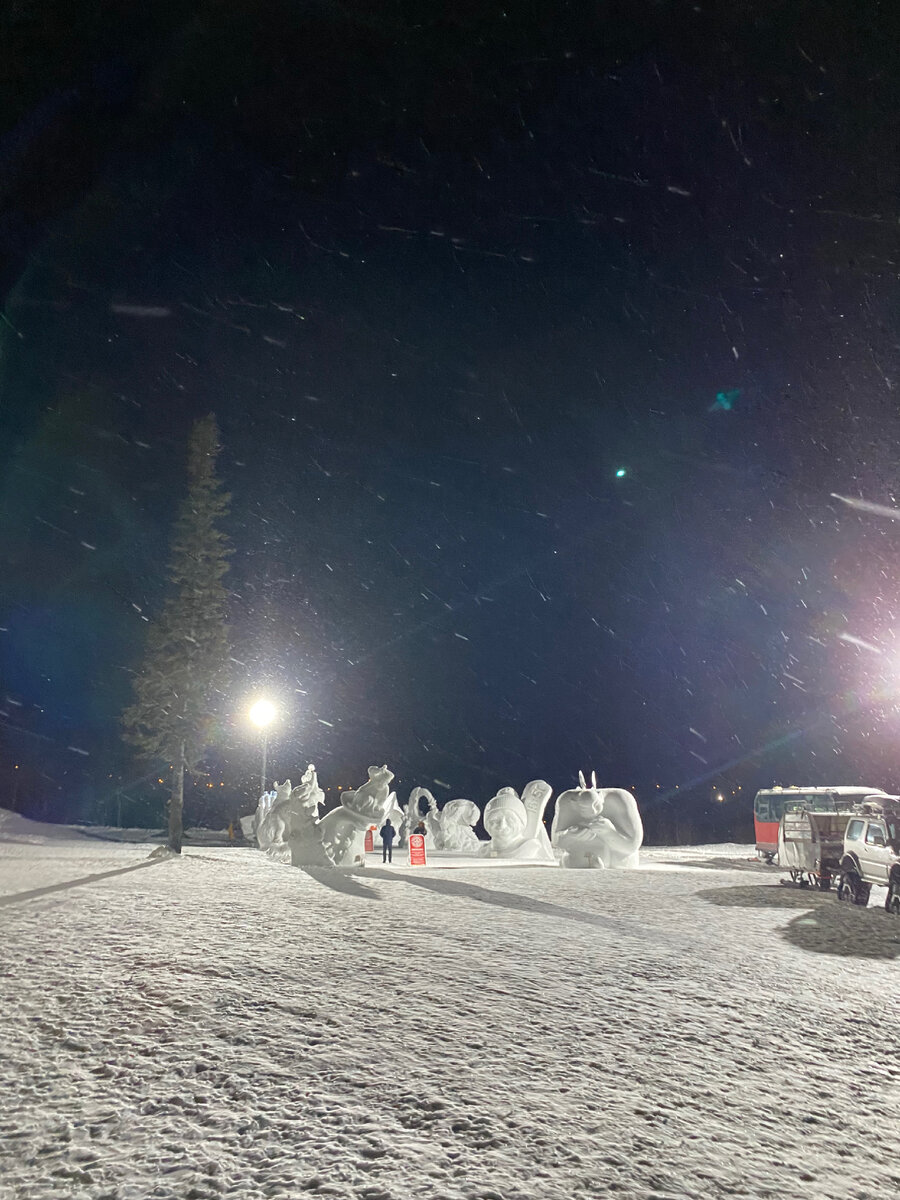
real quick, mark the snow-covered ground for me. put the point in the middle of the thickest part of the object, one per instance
(222, 1025)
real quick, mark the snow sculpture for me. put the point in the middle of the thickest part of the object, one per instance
(343, 830)
(593, 827)
(434, 826)
(515, 826)
(456, 823)
(411, 814)
(597, 827)
(448, 828)
(265, 802)
(304, 834)
(272, 825)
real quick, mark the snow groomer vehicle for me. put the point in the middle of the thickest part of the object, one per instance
(771, 804)
(871, 852)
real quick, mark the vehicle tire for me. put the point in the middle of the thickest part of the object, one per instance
(852, 889)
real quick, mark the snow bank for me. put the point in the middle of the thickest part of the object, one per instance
(15, 828)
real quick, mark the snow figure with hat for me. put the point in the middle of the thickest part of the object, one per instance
(597, 827)
(515, 826)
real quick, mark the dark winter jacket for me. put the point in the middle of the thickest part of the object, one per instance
(388, 833)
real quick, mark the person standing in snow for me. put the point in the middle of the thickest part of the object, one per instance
(387, 840)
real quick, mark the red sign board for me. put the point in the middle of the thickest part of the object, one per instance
(417, 850)
(369, 845)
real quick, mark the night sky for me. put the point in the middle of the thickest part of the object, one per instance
(544, 341)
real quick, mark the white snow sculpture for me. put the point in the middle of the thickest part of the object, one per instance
(412, 815)
(265, 802)
(516, 827)
(343, 830)
(597, 827)
(434, 826)
(447, 828)
(456, 822)
(304, 832)
(272, 827)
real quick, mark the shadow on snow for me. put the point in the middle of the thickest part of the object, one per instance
(510, 900)
(823, 924)
(340, 881)
(16, 897)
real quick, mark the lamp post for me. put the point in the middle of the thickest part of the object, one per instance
(262, 714)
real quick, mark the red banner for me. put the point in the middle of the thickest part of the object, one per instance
(369, 845)
(417, 850)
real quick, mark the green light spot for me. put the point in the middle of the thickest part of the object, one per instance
(620, 474)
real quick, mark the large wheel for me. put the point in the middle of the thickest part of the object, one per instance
(852, 889)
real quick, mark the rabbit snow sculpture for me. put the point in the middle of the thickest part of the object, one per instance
(597, 827)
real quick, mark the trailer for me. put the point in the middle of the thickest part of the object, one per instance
(811, 845)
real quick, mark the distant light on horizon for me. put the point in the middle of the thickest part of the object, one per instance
(621, 473)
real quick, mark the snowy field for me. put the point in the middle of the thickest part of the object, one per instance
(221, 1025)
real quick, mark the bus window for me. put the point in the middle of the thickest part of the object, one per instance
(821, 802)
(797, 800)
(762, 808)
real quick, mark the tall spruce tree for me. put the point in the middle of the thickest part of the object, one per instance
(187, 647)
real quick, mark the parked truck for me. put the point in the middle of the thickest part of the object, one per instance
(871, 853)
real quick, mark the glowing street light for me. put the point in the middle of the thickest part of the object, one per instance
(262, 714)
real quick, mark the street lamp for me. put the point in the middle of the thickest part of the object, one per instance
(262, 714)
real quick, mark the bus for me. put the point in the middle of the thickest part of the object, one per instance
(770, 805)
